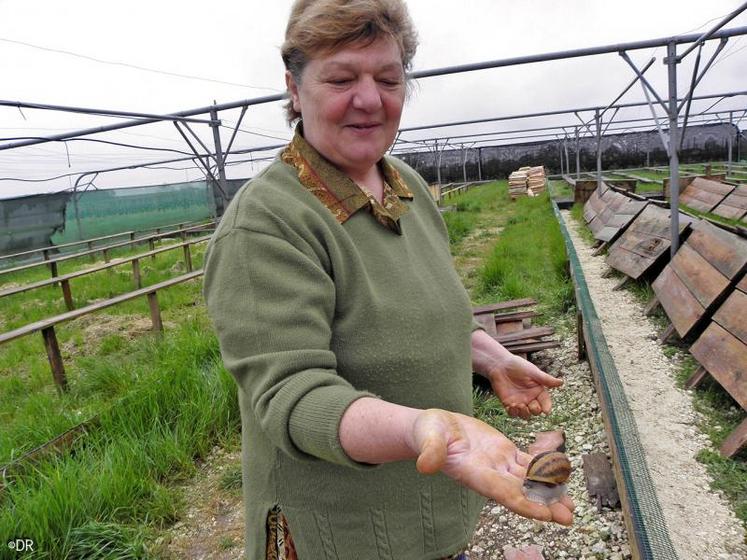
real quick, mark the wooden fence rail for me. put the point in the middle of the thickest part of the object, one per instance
(64, 280)
(46, 326)
(89, 242)
(150, 239)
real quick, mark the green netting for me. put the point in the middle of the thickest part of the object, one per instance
(103, 212)
(651, 533)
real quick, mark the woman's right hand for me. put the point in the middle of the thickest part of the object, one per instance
(481, 458)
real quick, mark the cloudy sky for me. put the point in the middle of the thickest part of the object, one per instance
(164, 56)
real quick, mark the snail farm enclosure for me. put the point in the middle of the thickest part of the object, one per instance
(623, 272)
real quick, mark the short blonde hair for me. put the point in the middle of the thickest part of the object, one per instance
(318, 27)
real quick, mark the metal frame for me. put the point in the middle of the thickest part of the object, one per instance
(672, 109)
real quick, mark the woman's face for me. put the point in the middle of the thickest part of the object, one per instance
(351, 102)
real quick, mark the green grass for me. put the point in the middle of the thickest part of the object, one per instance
(160, 402)
(529, 259)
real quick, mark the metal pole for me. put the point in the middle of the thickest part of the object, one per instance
(731, 128)
(674, 164)
(479, 163)
(598, 121)
(222, 186)
(560, 153)
(565, 149)
(578, 156)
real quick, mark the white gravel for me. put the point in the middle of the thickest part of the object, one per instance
(700, 522)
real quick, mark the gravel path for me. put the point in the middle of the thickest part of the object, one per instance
(701, 524)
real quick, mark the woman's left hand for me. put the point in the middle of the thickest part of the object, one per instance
(481, 458)
(522, 387)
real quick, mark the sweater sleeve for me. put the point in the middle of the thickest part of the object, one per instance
(272, 306)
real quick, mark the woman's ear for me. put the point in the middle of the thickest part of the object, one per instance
(293, 91)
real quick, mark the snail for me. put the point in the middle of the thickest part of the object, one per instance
(546, 477)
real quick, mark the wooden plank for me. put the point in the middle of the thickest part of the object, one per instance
(50, 321)
(536, 332)
(644, 242)
(732, 315)
(696, 378)
(725, 358)
(735, 441)
(503, 305)
(55, 358)
(682, 308)
(514, 316)
(724, 250)
(701, 278)
(734, 206)
(743, 284)
(600, 482)
(709, 185)
(533, 346)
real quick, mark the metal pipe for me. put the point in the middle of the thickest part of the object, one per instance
(711, 33)
(415, 75)
(575, 53)
(598, 120)
(578, 156)
(644, 81)
(101, 112)
(674, 164)
(222, 185)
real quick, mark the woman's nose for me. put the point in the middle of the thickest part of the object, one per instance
(367, 96)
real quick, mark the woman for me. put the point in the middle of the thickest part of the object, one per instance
(339, 313)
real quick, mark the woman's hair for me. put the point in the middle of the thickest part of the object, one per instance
(319, 27)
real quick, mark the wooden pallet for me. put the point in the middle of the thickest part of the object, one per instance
(608, 225)
(722, 351)
(701, 274)
(513, 328)
(645, 242)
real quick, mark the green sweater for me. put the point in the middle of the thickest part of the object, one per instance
(312, 314)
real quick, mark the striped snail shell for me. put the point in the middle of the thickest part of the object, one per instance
(546, 477)
(550, 467)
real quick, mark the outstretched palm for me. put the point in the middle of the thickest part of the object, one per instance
(481, 458)
(522, 387)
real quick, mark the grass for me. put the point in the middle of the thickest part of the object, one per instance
(160, 402)
(529, 259)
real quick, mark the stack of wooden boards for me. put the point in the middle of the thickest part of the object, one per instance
(702, 289)
(510, 323)
(527, 181)
(517, 183)
(707, 195)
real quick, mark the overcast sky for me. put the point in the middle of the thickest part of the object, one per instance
(227, 51)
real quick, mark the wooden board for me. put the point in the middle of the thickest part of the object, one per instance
(700, 276)
(725, 358)
(593, 206)
(734, 206)
(732, 315)
(704, 195)
(726, 251)
(743, 284)
(681, 306)
(620, 219)
(644, 242)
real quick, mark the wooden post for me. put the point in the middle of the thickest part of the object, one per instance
(92, 256)
(136, 274)
(651, 306)
(45, 252)
(580, 335)
(152, 245)
(53, 268)
(155, 312)
(668, 332)
(696, 378)
(67, 295)
(132, 236)
(599, 250)
(55, 358)
(187, 258)
(106, 255)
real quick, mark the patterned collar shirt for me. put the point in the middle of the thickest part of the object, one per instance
(340, 194)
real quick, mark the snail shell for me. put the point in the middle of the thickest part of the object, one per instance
(546, 477)
(550, 467)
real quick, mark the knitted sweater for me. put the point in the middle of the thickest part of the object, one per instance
(312, 314)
